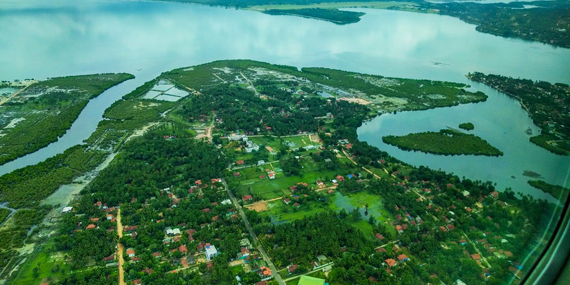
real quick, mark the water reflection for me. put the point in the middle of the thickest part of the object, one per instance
(123, 36)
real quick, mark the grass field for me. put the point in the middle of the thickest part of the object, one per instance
(278, 187)
(45, 262)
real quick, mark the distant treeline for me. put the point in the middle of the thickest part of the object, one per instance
(331, 15)
(547, 23)
(249, 3)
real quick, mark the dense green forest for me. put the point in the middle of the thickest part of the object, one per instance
(331, 15)
(547, 104)
(46, 110)
(3, 214)
(444, 142)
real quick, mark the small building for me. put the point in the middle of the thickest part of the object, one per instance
(403, 258)
(399, 229)
(391, 262)
(211, 251)
(291, 268)
(271, 174)
(172, 232)
(476, 256)
(246, 198)
(131, 252)
(67, 210)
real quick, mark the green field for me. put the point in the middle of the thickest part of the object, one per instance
(279, 211)
(278, 187)
(45, 262)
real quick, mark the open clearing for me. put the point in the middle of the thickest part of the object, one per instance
(258, 206)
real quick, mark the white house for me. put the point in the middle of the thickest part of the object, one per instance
(211, 252)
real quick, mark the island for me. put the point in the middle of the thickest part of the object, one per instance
(547, 104)
(446, 142)
(331, 15)
(246, 169)
(467, 126)
(37, 113)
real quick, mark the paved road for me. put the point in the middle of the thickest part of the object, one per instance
(274, 272)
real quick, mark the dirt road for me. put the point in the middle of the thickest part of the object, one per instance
(120, 249)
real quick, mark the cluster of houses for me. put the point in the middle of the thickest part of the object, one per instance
(250, 146)
(390, 262)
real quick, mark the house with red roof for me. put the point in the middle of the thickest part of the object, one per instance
(399, 229)
(403, 258)
(131, 252)
(183, 249)
(379, 236)
(391, 262)
(246, 198)
(476, 256)
(90, 226)
(291, 268)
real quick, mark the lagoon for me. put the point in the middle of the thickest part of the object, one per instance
(45, 39)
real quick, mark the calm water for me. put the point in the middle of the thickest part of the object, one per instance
(59, 38)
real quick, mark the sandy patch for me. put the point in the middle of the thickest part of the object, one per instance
(225, 70)
(395, 101)
(13, 123)
(141, 131)
(315, 138)
(356, 100)
(145, 105)
(258, 206)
